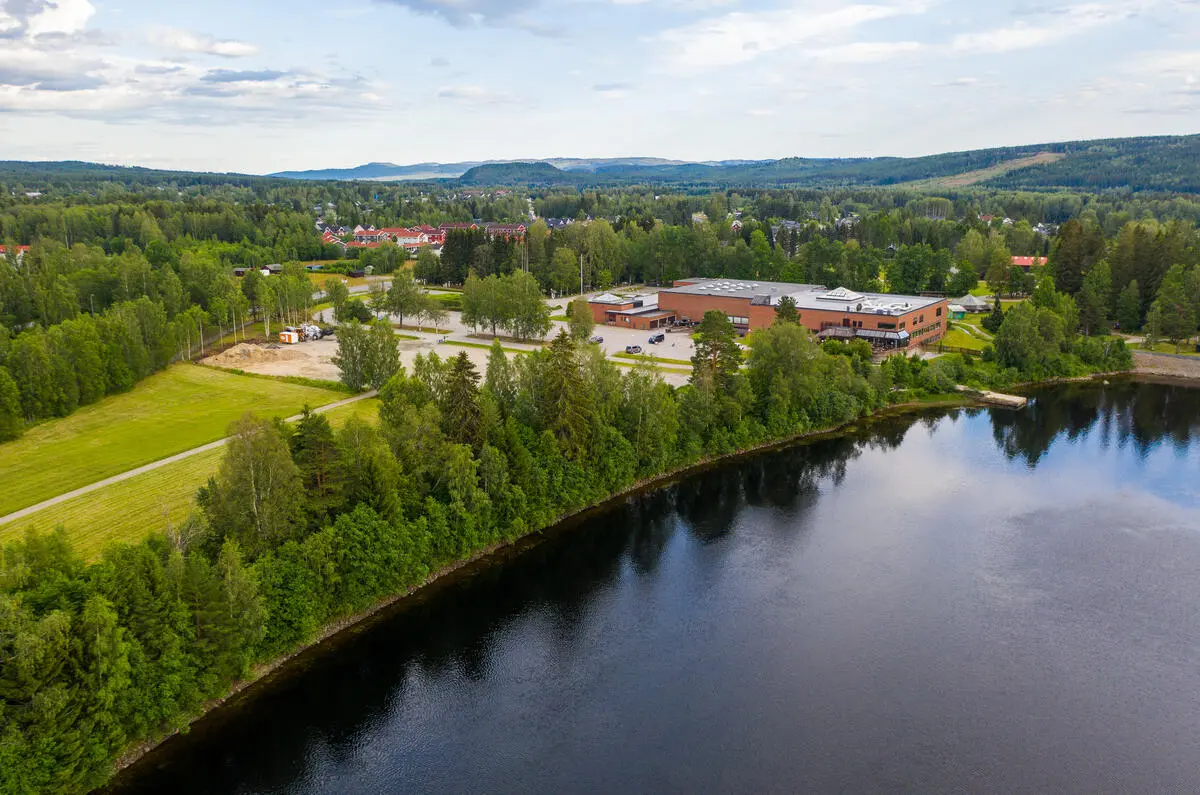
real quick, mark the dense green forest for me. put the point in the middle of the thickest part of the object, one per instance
(302, 526)
(117, 282)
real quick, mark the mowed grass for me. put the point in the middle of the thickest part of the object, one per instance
(958, 338)
(149, 503)
(172, 411)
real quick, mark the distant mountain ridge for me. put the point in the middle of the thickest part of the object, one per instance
(1156, 163)
(1165, 164)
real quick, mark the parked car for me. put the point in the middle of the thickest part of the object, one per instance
(633, 348)
(657, 338)
(596, 340)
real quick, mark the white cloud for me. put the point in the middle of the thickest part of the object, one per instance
(62, 17)
(1051, 26)
(739, 37)
(199, 43)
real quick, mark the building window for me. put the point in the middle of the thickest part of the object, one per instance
(901, 325)
(939, 312)
(738, 321)
(887, 326)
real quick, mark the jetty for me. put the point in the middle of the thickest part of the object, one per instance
(994, 398)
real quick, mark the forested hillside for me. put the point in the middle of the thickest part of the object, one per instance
(1161, 163)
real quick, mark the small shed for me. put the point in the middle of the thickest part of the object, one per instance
(957, 312)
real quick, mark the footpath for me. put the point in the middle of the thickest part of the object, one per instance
(162, 462)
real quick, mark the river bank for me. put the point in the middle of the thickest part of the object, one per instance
(263, 673)
(1166, 364)
(667, 644)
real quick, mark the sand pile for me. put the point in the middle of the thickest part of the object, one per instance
(244, 354)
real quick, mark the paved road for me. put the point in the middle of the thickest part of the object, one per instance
(133, 473)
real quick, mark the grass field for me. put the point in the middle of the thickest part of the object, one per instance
(982, 175)
(130, 510)
(958, 338)
(184, 407)
(1186, 349)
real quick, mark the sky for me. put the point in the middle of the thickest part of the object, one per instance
(261, 86)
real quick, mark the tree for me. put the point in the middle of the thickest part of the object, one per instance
(353, 354)
(1077, 248)
(11, 422)
(486, 302)
(566, 404)
(404, 296)
(430, 311)
(383, 359)
(1129, 307)
(564, 271)
(257, 495)
(717, 357)
(580, 320)
(1094, 299)
(462, 418)
(316, 454)
(993, 321)
(964, 279)
(499, 380)
(337, 293)
(427, 266)
(1176, 306)
(785, 310)
(529, 317)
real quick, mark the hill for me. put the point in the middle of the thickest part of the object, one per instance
(1160, 163)
(516, 174)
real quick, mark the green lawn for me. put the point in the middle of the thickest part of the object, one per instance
(149, 503)
(958, 338)
(169, 412)
(1186, 349)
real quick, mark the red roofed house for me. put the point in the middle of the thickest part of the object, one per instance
(510, 232)
(369, 235)
(1025, 263)
(20, 252)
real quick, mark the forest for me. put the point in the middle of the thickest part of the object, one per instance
(304, 525)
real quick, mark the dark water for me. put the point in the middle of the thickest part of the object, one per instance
(973, 602)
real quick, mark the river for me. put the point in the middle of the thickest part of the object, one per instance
(965, 601)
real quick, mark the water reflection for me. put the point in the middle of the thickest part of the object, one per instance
(1126, 413)
(553, 669)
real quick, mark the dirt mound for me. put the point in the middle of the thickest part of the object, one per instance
(244, 354)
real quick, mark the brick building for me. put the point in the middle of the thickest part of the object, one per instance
(887, 321)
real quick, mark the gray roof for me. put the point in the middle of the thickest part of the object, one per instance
(808, 296)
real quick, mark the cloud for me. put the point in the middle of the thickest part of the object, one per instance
(474, 95)
(20, 18)
(1049, 27)
(245, 76)
(613, 90)
(739, 37)
(469, 13)
(199, 43)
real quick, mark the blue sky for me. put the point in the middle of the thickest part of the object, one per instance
(265, 86)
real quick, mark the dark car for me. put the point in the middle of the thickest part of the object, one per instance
(633, 348)
(657, 338)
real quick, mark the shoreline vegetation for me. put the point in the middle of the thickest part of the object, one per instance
(305, 531)
(262, 673)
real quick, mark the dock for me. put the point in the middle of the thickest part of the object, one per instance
(995, 398)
